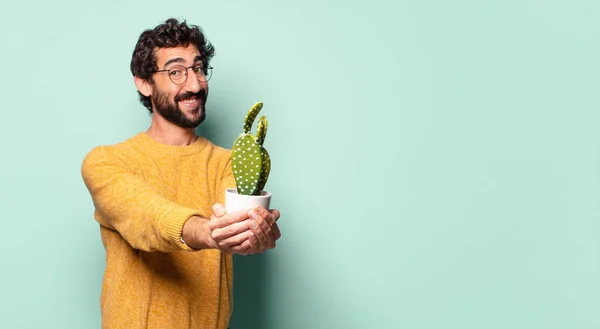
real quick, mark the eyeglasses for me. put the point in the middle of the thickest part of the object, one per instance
(179, 73)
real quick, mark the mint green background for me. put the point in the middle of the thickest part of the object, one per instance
(436, 163)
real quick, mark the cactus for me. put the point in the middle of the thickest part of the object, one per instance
(250, 161)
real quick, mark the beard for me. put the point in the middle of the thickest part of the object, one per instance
(172, 113)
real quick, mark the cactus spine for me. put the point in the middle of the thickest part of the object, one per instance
(250, 161)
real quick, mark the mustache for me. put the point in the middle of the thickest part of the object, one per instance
(201, 95)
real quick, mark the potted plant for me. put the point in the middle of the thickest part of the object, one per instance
(251, 165)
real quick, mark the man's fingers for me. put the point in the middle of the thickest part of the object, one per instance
(276, 232)
(246, 231)
(242, 249)
(275, 214)
(263, 218)
(228, 219)
(236, 240)
(222, 233)
(219, 210)
(248, 246)
(269, 226)
(255, 224)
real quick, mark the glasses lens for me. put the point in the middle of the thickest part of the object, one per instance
(208, 73)
(178, 74)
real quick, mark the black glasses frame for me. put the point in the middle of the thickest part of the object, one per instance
(207, 73)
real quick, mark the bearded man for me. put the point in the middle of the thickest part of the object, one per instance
(159, 198)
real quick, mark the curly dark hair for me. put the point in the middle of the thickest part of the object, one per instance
(169, 34)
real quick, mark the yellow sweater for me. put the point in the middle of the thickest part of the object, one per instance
(143, 192)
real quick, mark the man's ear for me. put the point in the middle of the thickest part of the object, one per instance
(143, 86)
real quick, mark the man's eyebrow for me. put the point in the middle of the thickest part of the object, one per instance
(198, 58)
(174, 60)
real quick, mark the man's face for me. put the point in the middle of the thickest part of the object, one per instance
(181, 104)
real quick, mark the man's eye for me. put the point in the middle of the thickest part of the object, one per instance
(176, 73)
(198, 69)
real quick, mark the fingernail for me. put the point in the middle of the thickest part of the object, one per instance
(253, 225)
(221, 212)
(253, 214)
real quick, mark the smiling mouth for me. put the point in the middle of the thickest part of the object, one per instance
(190, 101)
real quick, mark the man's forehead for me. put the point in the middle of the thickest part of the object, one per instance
(188, 54)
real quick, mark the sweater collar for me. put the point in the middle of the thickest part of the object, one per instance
(195, 147)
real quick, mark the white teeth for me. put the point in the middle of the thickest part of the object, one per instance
(188, 101)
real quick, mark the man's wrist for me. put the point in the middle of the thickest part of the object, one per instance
(196, 233)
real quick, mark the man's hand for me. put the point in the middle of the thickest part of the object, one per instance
(261, 230)
(229, 232)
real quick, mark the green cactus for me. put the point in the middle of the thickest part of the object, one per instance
(250, 161)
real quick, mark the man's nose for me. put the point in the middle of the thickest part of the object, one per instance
(192, 83)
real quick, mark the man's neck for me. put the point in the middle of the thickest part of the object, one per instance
(165, 132)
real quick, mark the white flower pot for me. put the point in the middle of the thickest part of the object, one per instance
(235, 201)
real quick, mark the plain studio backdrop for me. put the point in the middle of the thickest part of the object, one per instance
(436, 163)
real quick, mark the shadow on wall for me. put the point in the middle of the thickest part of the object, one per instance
(248, 292)
(248, 271)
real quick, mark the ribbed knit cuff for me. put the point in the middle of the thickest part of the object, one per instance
(174, 226)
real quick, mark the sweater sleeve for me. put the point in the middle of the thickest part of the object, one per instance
(126, 204)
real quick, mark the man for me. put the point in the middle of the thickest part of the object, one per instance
(159, 198)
